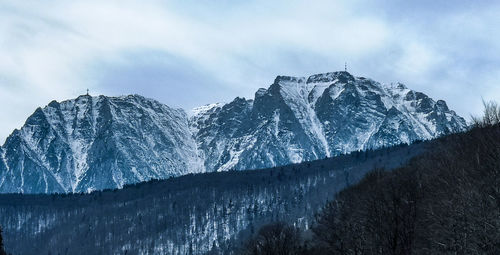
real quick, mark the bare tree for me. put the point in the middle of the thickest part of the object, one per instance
(491, 115)
(274, 239)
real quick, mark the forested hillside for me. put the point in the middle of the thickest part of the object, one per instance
(444, 202)
(192, 214)
(442, 196)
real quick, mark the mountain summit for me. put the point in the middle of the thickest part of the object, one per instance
(305, 118)
(93, 143)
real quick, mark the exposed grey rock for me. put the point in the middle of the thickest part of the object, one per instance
(298, 119)
(93, 143)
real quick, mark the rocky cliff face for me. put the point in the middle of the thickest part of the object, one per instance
(298, 119)
(93, 143)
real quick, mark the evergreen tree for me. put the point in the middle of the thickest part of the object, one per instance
(2, 250)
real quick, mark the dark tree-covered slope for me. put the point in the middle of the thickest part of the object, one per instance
(447, 202)
(195, 214)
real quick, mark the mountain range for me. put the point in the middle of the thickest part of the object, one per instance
(94, 143)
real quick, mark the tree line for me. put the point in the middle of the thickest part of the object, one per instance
(193, 214)
(446, 201)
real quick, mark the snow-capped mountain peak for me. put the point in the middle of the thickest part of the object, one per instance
(305, 118)
(92, 143)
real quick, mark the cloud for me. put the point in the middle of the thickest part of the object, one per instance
(223, 49)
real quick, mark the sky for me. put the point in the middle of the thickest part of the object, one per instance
(194, 52)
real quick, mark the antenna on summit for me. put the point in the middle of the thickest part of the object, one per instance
(87, 92)
(345, 67)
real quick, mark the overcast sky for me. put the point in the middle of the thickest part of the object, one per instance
(193, 52)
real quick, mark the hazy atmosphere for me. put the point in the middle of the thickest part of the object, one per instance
(189, 53)
(231, 127)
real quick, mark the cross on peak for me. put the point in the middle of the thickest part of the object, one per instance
(87, 92)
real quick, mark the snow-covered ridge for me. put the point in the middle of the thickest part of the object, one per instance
(204, 109)
(305, 118)
(92, 143)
